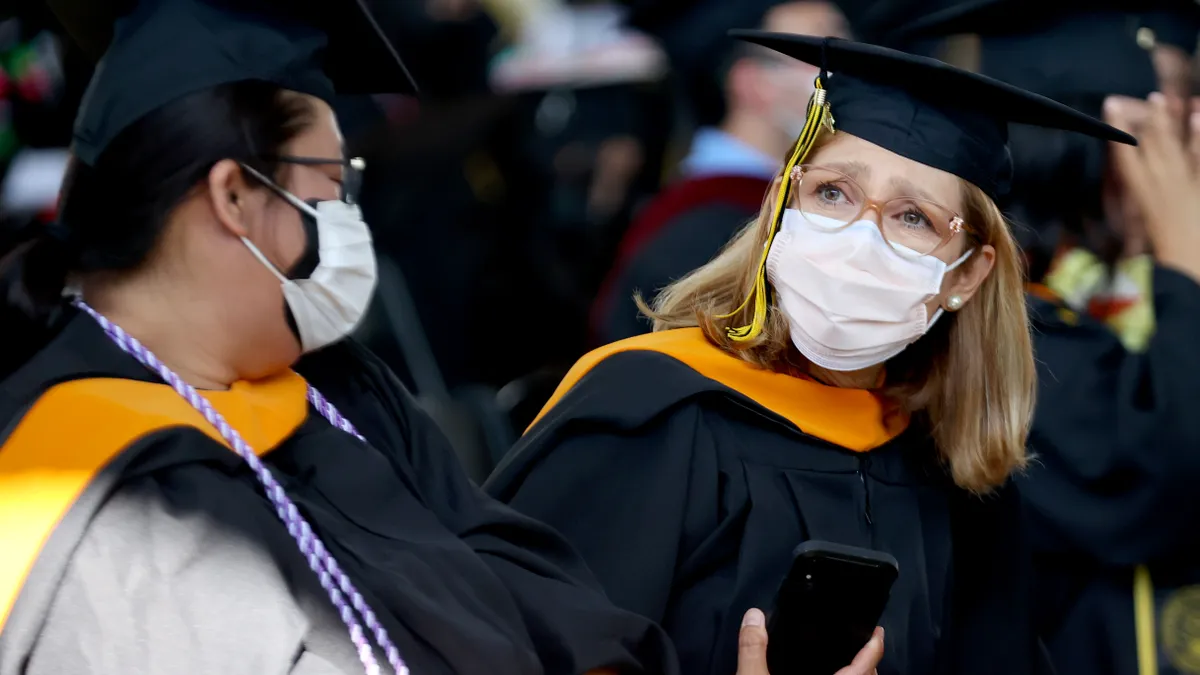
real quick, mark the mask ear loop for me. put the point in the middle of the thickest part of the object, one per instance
(263, 259)
(818, 117)
(289, 198)
(961, 259)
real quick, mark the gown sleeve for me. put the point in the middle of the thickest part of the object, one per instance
(620, 497)
(1116, 433)
(575, 628)
(685, 243)
(994, 593)
(161, 582)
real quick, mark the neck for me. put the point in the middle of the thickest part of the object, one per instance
(867, 378)
(754, 132)
(154, 314)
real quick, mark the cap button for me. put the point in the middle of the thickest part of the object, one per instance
(1146, 38)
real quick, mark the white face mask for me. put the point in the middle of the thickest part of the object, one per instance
(850, 300)
(333, 299)
(790, 122)
(791, 118)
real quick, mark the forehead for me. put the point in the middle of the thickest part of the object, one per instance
(879, 170)
(322, 138)
(807, 17)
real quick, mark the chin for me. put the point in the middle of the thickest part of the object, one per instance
(272, 358)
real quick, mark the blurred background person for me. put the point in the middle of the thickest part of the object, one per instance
(41, 82)
(1110, 237)
(747, 107)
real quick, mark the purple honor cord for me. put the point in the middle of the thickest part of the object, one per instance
(320, 560)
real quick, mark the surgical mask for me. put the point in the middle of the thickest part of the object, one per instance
(329, 302)
(851, 300)
(789, 121)
(788, 117)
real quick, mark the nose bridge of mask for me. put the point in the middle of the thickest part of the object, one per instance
(793, 218)
(849, 239)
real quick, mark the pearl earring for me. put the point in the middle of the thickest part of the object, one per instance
(954, 303)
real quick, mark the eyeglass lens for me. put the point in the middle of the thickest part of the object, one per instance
(828, 198)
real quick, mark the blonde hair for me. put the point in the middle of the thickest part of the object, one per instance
(972, 377)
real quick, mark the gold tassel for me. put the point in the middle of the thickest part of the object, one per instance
(819, 117)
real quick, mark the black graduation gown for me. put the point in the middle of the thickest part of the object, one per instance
(1118, 444)
(687, 477)
(134, 542)
(680, 230)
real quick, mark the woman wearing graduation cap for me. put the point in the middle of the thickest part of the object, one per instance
(855, 367)
(174, 497)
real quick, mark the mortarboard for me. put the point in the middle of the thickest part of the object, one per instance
(1070, 52)
(152, 52)
(917, 107)
(1145, 23)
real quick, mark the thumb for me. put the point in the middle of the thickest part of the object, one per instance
(868, 658)
(752, 644)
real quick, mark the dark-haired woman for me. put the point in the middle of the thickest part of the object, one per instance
(174, 496)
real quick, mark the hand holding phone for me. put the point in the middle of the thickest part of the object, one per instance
(827, 608)
(752, 649)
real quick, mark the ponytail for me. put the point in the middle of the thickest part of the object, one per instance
(33, 275)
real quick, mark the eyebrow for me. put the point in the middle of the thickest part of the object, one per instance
(903, 186)
(852, 169)
(907, 189)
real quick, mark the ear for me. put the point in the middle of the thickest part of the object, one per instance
(228, 194)
(970, 276)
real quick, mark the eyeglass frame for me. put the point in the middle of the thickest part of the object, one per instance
(957, 224)
(352, 171)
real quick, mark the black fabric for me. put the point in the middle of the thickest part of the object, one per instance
(1064, 52)
(1176, 28)
(687, 499)
(311, 257)
(1117, 432)
(462, 583)
(162, 50)
(1174, 22)
(684, 244)
(1114, 485)
(927, 110)
(1088, 56)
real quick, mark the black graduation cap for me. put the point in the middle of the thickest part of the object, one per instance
(1077, 54)
(927, 110)
(153, 52)
(1123, 22)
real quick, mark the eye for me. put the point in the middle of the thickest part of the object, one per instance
(830, 193)
(915, 219)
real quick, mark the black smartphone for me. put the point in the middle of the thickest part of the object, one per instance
(827, 607)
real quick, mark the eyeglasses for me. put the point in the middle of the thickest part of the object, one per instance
(912, 226)
(352, 171)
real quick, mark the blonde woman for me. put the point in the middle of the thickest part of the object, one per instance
(854, 367)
